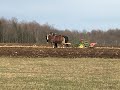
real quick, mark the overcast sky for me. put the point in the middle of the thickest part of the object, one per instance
(65, 14)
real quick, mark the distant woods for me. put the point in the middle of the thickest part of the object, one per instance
(12, 31)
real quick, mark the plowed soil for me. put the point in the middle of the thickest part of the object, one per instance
(36, 51)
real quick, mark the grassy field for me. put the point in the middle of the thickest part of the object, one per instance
(59, 74)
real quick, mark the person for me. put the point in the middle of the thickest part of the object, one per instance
(81, 45)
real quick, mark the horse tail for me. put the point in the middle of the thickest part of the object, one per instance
(66, 39)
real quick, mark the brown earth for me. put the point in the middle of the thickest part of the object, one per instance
(37, 51)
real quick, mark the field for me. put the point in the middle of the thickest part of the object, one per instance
(42, 51)
(59, 74)
(44, 68)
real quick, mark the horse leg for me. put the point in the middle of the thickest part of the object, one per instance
(63, 46)
(55, 45)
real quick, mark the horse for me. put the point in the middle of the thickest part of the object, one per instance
(55, 39)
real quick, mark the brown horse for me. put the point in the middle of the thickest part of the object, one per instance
(56, 39)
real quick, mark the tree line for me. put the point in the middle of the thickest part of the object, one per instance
(12, 31)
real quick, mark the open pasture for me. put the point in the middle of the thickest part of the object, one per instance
(59, 73)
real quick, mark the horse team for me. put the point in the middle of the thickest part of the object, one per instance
(55, 39)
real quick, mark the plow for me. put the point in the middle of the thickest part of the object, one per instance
(86, 44)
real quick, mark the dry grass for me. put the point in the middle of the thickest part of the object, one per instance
(59, 74)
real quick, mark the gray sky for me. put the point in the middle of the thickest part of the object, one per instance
(65, 14)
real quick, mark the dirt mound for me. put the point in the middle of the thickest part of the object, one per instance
(25, 51)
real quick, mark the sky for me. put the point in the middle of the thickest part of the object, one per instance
(65, 14)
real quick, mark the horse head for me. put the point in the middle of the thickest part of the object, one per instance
(49, 38)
